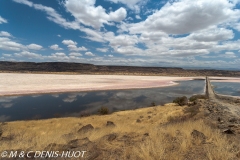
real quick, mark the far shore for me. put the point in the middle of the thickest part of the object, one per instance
(225, 79)
(13, 84)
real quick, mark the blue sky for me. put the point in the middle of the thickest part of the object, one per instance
(175, 33)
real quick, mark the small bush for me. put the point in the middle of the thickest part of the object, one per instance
(103, 110)
(178, 119)
(153, 104)
(181, 101)
(84, 114)
(192, 110)
(195, 97)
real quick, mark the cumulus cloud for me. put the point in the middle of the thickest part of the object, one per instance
(2, 20)
(9, 45)
(230, 54)
(212, 34)
(5, 34)
(86, 13)
(130, 3)
(34, 47)
(55, 47)
(89, 54)
(102, 49)
(72, 46)
(69, 42)
(138, 17)
(186, 16)
(59, 56)
(75, 54)
(28, 54)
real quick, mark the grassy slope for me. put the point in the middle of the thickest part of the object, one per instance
(168, 137)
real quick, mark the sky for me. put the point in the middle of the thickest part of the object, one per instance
(164, 33)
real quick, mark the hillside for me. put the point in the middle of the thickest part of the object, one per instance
(82, 68)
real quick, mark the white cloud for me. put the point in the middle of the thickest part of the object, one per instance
(72, 46)
(59, 35)
(121, 40)
(110, 55)
(59, 54)
(138, 17)
(86, 13)
(75, 48)
(102, 49)
(75, 54)
(34, 47)
(89, 54)
(118, 15)
(230, 55)
(2, 20)
(212, 34)
(186, 16)
(27, 54)
(69, 42)
(6, 55)
(5, 34)
(55, 47)
(8, 44)
(130, 3)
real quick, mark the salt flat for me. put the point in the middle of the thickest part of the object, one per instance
(225, 79)
(23, 83)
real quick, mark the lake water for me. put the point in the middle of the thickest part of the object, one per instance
(227, 88)
(82, 103)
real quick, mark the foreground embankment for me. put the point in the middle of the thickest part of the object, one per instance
(161, 132)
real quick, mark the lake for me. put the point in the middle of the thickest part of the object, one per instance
(227, 88)
(84, 103)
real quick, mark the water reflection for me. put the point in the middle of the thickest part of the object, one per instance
(227, 88)
(77, 104)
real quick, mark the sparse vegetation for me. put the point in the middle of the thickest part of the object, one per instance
(171, 132)
(195, 97)
(103, 111)
(153, 104)
(181, 101)
(192, 110)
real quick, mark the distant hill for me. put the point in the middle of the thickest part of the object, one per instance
(82, 68)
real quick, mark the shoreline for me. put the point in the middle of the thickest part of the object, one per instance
(224, 79)
(33, 84)
(79, 91)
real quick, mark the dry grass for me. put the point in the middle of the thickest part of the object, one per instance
(166, 140)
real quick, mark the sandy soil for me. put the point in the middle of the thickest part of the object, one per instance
(225, 79)
(21, 83)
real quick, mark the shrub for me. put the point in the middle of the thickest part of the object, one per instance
(195, 97)
(192, 110)
(181, 101)
(103, 110)
(153, 104)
